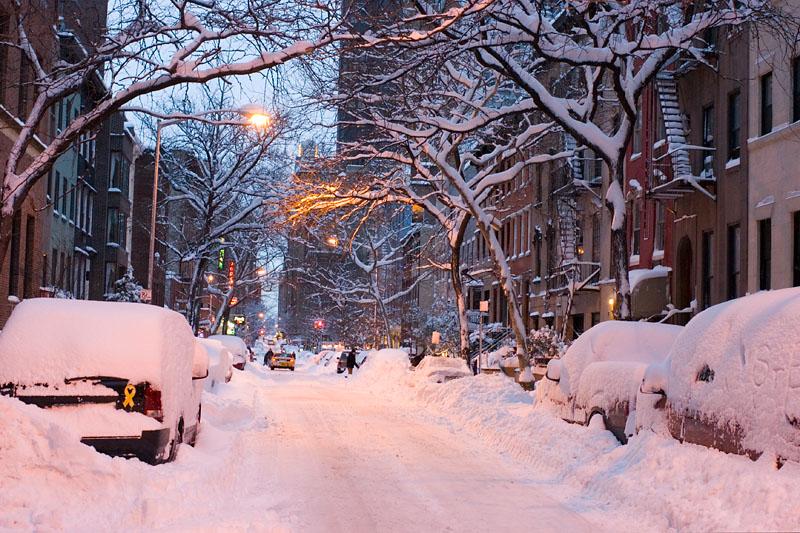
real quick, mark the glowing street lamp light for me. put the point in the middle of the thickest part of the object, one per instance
(261, 272)
(333, 241)
(210, 278)
(256, 118)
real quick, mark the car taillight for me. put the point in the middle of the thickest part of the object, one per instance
(152, 404)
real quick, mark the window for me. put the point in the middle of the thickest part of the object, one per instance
(707, 267)
(53, 267)
(764, 253)
(13, 278)
(4, 23)
(27, 280)
(64, 188)
(72, 204)
(660, 216)
(113, 225)
(637, 133)
(733, 125)
(796, 249)
(636, 230)
(796, 89)
(123, 230)
(708, 126)
(25, 75)
(90, 213)
(596, 238)
(109, 279)
(56, 191)
(50, 185)
(734, 256)
(766, 103)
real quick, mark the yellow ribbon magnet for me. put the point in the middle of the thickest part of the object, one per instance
(130, 392)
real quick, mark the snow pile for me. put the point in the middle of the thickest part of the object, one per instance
(49, 481)
(739, 363)
(663, 483)
(440, 369)
(639, 275)
(384, 370)
(505, 356)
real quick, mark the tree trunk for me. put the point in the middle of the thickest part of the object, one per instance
(619, 256)
(507, 282)
(192, 300)
(5, 236)
(458, 287)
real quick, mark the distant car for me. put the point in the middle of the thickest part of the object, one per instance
(341, 364)
(131, 385)
(236, 346)
(441, 369)
(220, 367)
(282, 360)
(600, 374)
(732, 380)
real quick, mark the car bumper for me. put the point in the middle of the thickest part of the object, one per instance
(151, 447)
(279, 364)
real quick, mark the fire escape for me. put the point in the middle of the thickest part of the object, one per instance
(671, 169)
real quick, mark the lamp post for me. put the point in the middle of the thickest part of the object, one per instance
(256, 118)
(483, 307)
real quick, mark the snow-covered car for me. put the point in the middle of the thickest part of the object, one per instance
(220, 366)
(282, 360)
(441, 369)
(127, 376)
(601, 371)
(732, 379)
(341, 364)
(236, 346)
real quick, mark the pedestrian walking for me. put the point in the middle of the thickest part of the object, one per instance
(351, 361)
(268, 356)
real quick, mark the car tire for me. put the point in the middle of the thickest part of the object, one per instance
(292, 369)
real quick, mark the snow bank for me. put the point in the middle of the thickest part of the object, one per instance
(385, 370)
(662, 484)
(739, 363)
(49, 481)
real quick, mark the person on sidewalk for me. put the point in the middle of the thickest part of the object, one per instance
(351, 362)
(268, 357)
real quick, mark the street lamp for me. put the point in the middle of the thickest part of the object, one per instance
(333, 241)
(257, 118)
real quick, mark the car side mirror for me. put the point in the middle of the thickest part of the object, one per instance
(200, 362)
(655, 380)
(553, 372)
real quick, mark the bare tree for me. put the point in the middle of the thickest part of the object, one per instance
(138, 49)
(219, 177)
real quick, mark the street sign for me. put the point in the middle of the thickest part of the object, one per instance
(145, 295)
(238, 319)
(435, 338)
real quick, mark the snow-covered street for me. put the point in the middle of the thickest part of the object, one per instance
(351, 461)
(383, 450)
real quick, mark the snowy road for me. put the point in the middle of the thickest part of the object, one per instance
(383, 451)
(352, 462)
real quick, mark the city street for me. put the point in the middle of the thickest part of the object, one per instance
(351, 461)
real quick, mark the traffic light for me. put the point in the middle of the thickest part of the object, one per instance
(319, 324)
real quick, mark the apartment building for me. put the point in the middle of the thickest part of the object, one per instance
(773, 199)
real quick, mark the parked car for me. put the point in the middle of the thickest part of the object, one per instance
(126, 376)
(341, 364)
(220, 367)
(441, 369)
(282, 360)
(236, 346)
(732, 380)
(600, 374)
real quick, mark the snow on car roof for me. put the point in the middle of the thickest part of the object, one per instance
(48, 340)
(233, 343)
(634, 342)
(751, 348)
